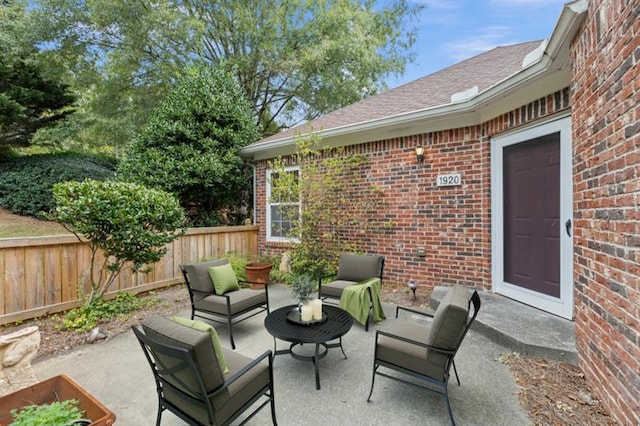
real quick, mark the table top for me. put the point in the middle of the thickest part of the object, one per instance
(338, 323)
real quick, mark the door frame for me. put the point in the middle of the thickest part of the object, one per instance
(562, 306)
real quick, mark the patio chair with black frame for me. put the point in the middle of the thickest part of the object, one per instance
(198, 380)
(352, 270)
(215, 293)
(426, 351)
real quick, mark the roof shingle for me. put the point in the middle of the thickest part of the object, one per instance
(484, 70)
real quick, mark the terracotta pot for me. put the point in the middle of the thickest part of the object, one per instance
(257, 272)
(58, 388)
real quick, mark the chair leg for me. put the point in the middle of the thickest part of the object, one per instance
(273, 406)
(455, 371)
(160, 409)
(233, 345)
(446, 399)
(373, 380)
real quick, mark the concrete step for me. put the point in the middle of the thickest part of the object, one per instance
(521, 328)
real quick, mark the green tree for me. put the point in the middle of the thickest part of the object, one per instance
(31, 97)
(125, 221)
(190, 147)
(337, 202)
(294, 60)
(299, 59)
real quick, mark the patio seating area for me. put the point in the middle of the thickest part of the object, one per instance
(116, 372)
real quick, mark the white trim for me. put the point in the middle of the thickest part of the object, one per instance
(553, 58)
(268, 236)
(562, 306)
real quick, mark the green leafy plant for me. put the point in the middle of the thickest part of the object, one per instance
(126, 225)
(87, 317)
(238, 262)
(57, 413)
(337, 199)
(303, 286)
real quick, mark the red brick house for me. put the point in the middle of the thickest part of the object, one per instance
(530, 184)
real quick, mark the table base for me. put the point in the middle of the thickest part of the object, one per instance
(315, 358)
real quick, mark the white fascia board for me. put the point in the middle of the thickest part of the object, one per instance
(568, 23)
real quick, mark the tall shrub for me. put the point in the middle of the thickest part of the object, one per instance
(190, 148)
(126, 221)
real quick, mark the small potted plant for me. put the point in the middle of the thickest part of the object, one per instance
(302, 287)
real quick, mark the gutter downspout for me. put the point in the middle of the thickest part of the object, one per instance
(253, 175)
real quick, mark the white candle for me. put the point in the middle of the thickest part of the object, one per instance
(317, 309)
(306, 312)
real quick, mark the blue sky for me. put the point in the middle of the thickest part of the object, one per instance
(450, 31)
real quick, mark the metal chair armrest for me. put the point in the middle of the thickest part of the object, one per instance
(238, 374)
(414, 342)
(428, 313)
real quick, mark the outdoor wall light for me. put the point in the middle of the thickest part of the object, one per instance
(420, 154)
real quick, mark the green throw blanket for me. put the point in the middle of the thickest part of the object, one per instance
(355, 300)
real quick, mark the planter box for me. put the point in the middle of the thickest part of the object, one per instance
(58, 388)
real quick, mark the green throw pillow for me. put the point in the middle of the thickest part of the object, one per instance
(224, 279)
(204, 327)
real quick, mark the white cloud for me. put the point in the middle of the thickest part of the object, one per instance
(486, 39)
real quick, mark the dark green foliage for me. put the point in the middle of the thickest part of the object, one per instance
(26, 183)
(29, 100)
(190, 148)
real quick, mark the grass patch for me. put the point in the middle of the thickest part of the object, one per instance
(15, 226)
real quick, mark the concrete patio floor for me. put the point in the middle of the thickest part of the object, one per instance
(116, 373)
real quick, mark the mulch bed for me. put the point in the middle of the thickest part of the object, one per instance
(555, 393)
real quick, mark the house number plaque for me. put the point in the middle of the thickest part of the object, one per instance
(450, 179)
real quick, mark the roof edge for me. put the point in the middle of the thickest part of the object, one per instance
(568, 24)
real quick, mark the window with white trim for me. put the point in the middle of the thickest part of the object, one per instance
(283, 206)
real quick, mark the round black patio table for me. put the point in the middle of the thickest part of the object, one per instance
(338, 322)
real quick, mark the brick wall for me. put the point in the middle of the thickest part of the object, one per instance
(453, 224)
(606, 144)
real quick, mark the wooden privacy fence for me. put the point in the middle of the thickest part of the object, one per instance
(43, 275)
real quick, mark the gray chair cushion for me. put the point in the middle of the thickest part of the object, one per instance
(240, 391)
(405, 354)
(198, 274)
(226, 403)
(242, 299)
(443, 331)
(358, 267)
(198, 342)
(335, 288)
(450, 318)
